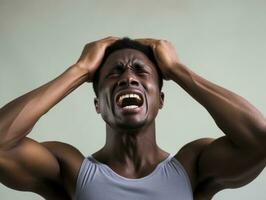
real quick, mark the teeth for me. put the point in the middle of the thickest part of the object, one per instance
(128, 96)
(130, 107)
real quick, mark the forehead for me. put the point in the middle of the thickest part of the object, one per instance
(126, 56)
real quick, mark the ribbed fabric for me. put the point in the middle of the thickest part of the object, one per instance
(168, 181)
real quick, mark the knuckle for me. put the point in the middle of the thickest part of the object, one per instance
(164, 42)
(160, 42)
(111, 37)
(87, 45)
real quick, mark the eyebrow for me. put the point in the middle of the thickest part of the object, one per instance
(134, 61)
(144, 65)
(120, 62)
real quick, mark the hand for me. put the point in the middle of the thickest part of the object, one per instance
(165, 55)
(92, 54)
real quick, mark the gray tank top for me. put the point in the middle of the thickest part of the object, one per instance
(168, 181)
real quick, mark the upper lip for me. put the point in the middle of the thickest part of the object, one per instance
(128, 91)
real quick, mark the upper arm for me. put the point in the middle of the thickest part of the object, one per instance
(27, 166)
(222, 164)
(189, 155)
(43, 168)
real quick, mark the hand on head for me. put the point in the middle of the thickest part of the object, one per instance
(164, 53)
(92, 55)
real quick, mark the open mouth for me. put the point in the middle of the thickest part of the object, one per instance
(129, 100)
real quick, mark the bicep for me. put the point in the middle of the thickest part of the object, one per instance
(27, 165)
(224, 165)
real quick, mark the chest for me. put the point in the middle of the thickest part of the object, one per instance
(168, 182)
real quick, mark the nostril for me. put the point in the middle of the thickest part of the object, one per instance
(122, 83)
(128, 82)
(134, 82)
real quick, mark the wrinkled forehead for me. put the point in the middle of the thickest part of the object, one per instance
(126, 55)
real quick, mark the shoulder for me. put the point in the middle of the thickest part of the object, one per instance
(188, 156)
(49, 168)
(208, 163)
(68, 156)
(62, 150)
(69, 159)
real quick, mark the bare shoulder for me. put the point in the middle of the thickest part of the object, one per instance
(49, 168)
(189, 154)
(208, 163)
(69, 159)
(63, 151)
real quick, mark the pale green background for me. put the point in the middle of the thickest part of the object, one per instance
(224, 41)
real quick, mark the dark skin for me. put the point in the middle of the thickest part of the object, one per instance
(51, 168)
(130, 147)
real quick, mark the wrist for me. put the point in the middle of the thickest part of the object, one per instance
(79, 73)
(176, 71)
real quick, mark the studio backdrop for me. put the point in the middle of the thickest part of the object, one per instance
(223, 41)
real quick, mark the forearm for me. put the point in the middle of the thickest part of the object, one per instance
(234, 115)
(19, 116)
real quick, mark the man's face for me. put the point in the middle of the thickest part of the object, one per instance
(128, 90)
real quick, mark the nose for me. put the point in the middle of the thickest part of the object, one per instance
(128, 79)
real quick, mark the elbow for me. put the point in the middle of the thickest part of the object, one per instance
(8, 140)
(255, 140)
(261, 139)
(264, 138)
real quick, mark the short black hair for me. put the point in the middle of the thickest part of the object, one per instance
(127, 43)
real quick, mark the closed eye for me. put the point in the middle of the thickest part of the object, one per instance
(113, 73)
(140, 69)
(116, 71)
(137, 68)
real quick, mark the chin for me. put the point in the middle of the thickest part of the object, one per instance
(127, 123)
(130, 125)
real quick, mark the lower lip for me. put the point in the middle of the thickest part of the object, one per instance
(131, 110)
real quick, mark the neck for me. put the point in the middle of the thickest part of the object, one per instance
(132, 148)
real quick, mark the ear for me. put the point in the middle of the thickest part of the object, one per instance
(96, 104)
(161, 100)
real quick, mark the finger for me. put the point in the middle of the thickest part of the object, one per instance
(109, 40)
(146, 41)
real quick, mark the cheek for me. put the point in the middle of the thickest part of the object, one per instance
(151, 81)
(104, 101)
(106, 109)
(153, 94)
(152, 85)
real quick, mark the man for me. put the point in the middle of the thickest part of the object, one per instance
(127, 77)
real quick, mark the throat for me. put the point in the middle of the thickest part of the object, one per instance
(132, 149)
